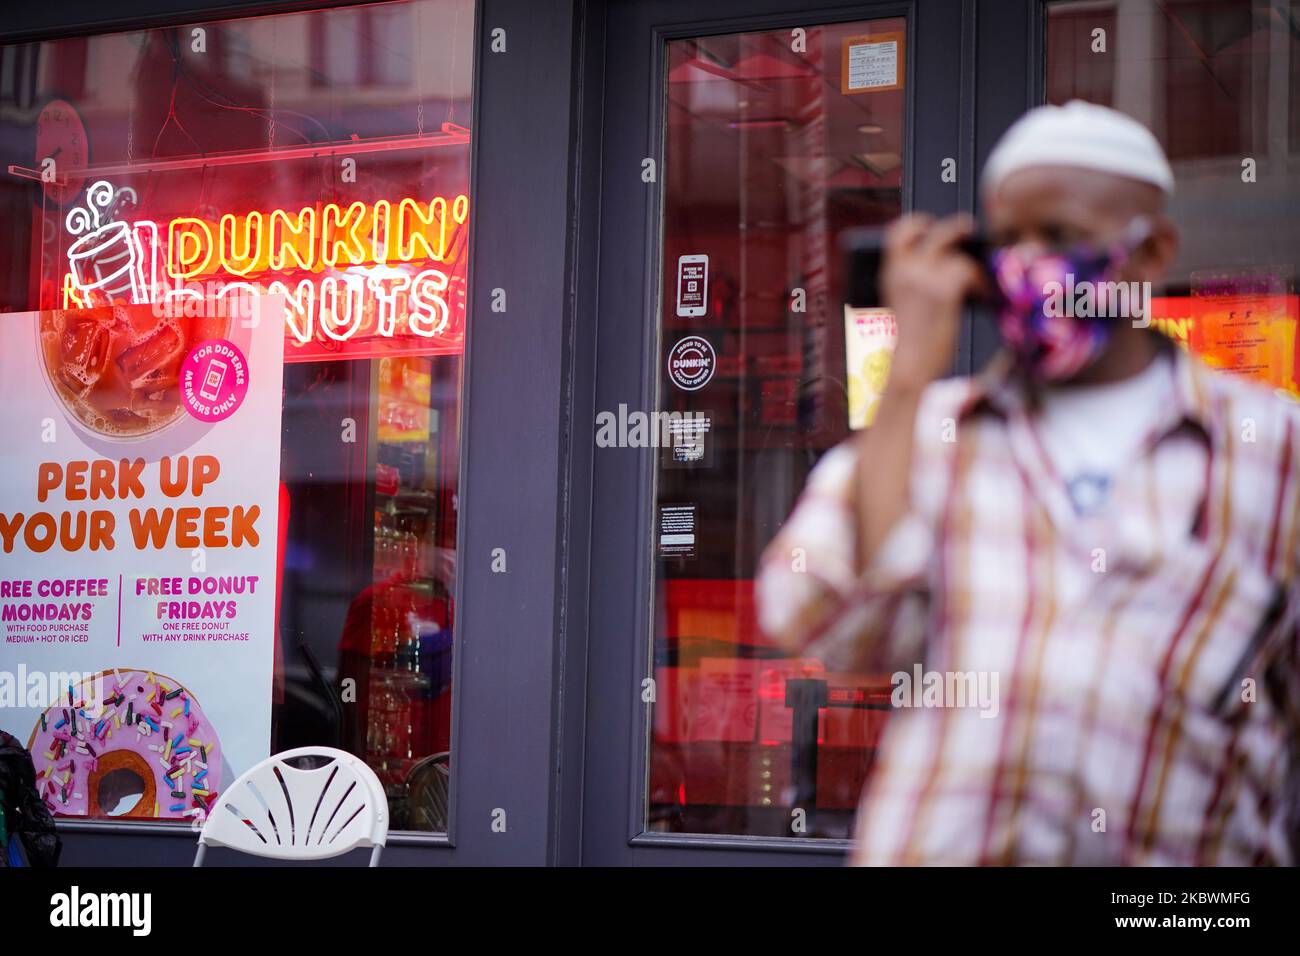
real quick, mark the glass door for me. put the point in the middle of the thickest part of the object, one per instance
(775, 145)
(771, 135)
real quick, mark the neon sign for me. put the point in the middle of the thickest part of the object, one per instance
(314, 238)
(390, 268)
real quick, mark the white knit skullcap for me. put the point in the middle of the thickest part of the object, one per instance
(1083, 135)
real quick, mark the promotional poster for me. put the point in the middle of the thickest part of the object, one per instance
(139, 476)
(869, 339)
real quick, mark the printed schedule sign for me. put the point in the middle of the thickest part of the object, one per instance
(139, 488)
(872, 64)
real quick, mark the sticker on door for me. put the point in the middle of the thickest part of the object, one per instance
(677, 531)
(692, 285)
(691, 363)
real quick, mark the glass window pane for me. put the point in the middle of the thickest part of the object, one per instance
(1216, 81)
(342, 53)
(771, 152)
(323, 156)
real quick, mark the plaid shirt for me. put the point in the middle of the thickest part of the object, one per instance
(1148, 708)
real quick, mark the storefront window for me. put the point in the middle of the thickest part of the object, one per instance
(165, 191)
(776, 143)
(1217, 82)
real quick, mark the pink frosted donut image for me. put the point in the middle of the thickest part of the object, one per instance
(149, 738)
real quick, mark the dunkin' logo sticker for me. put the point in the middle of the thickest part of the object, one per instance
(691, 363)
(214, 380)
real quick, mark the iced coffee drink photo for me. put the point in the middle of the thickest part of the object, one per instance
(115, 368)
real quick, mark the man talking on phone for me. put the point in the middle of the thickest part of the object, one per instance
(1096, 525)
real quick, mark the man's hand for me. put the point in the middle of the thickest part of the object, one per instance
(925, 278)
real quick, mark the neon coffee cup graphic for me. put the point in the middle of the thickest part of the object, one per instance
(105, 259)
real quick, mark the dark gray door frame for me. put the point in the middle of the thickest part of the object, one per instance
(621, 308)
(511, 652)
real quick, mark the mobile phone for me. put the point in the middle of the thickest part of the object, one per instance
(864, 249)
(692, 285)
(212, 380)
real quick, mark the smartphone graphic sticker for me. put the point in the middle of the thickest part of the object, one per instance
(692, 285)
(212, 381)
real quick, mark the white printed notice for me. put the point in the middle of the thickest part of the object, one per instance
(139, 488)
(872, 63)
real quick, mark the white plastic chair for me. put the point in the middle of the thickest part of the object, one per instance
(279, 811)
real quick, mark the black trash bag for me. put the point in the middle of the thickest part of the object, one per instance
(26, 816)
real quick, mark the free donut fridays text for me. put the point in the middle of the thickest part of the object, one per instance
(149, 528)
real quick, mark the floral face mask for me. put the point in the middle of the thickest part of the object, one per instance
(1049, 340)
